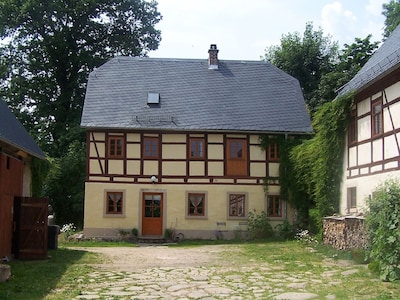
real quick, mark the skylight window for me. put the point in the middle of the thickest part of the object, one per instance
(153, 98)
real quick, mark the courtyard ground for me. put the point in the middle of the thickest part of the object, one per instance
(228, 272)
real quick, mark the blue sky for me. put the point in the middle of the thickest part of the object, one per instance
(243, 29)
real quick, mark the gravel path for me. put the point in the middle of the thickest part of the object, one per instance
(160, 272)
(130, 259)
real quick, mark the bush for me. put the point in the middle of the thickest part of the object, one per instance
(383, 229)
(259, 226)
(285, 230)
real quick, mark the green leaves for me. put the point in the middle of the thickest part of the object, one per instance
(383, 229)
(52, 47)
(391, 11)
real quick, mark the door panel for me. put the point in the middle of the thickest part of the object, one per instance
(152, 218)
(236, 157)
(30, 236)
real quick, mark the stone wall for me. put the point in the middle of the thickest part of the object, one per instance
(344, 233)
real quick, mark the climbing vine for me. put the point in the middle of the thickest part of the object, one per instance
(325, 154)
(311, 168)
(39, 168)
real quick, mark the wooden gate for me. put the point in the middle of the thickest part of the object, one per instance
(30, 228)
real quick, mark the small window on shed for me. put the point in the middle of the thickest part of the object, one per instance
(153, 98)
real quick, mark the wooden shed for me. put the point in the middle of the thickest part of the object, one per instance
(17, 148)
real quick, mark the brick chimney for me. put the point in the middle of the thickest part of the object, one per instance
(213, 57)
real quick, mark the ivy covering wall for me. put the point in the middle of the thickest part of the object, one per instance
(311, 168)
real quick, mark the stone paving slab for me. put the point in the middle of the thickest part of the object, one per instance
(205, 283)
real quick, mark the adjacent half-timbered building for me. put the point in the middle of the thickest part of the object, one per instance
(16, 151)
(174, 144)
(372, 153)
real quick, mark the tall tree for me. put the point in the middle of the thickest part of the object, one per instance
(306, 58)
(391, 11)
(48, 49)
(351, 59)
(53, 45)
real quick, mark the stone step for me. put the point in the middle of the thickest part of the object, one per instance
(151, 240)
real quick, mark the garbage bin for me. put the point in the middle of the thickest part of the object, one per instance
(53, 231)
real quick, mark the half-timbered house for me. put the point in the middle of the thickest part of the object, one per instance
(372, 153)
(174, 144)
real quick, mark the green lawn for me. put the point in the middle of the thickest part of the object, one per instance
(57, 277)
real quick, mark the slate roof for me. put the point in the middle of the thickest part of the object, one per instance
(13, 133)
(382, 62)
(239, 96)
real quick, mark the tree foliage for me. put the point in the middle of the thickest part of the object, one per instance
(351, 59)
(391, 11)
(317, 164)
(65, 184)
(383, 229)
(318, 63)
(306, 58)
(48, 49)
(53, 45)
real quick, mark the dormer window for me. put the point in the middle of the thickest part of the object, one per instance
(153, 98)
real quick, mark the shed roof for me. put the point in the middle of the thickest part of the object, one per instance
(382, 62)
(237, 96)
(13, 133)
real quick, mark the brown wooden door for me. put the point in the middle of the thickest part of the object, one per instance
(152, 214)
(30, 235)
(236, 162)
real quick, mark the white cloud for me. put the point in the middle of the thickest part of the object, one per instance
(374, 7)
(338, 22)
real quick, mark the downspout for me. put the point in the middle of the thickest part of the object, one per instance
(286, 202)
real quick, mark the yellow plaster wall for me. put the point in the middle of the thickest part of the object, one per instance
(133, 167)
(100, 149)
(150, 167)
(215, 152)
(174, 138)
(196, 168)
(256, 153)
(174, 168)
(174, 202)
(94, 166)
(215, 168)
(133, 137)
(215, 138)
(173, 151)
(116, 167)
(274, 169)
(258, 169)
(98, 136)
(133, 151)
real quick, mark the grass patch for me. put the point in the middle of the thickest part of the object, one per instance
(36, 279)
(96, 243)
(273, 264)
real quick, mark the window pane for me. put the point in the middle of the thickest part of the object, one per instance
(196, 204)
(237, 205)
(377, 118)
(112, 147)
(115, 202)
(119, 147)
(274, 206)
